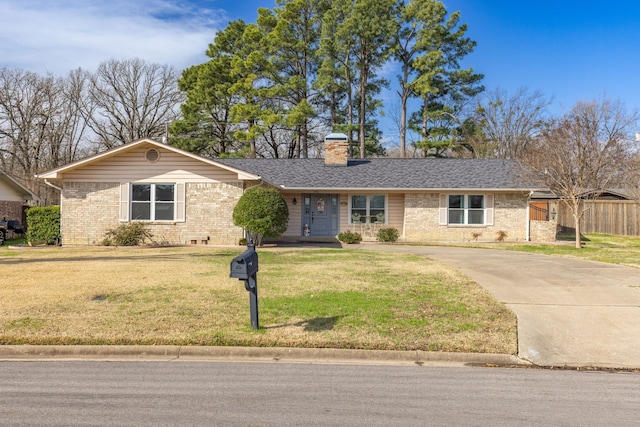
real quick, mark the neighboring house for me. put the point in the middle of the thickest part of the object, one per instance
(186, 198)
(14, 199)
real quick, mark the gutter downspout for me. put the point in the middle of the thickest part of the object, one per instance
(254, 186)
(50, 184)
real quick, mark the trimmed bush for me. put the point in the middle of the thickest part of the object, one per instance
(263, 212)
(43, 224)
(131, 234)
(388, 235)
(350, 237)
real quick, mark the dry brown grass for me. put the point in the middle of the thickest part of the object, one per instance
(308, 297)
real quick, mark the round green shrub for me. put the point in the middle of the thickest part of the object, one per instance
(263, 212)
(350, 237)
(388, 235)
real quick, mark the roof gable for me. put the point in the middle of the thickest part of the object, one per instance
(10, 185)
(91, 161)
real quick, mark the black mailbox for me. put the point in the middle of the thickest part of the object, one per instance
(244, 265)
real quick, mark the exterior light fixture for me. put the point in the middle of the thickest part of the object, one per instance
(295, 202)
(553, 214)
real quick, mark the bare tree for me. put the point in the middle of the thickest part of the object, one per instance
(25, 102)
(633, 172)
(67, 130)
(510, 122)
(582, 154)
(132, 100)
(41, 125)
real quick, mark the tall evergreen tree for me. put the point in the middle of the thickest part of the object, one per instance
(206, 127)
(429, 47)
(293, 47)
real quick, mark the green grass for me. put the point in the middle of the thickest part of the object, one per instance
(623, 250)
(337, 298)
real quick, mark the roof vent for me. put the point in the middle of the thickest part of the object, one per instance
(152, 155)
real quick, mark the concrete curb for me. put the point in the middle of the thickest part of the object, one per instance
(255, 354)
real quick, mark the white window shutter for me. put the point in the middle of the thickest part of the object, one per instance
(443, 210)
(180, 203)
(124, 202)
(489, 205)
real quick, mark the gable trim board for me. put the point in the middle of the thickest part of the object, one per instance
(97, 194)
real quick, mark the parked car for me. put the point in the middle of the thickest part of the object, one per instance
(16, 227)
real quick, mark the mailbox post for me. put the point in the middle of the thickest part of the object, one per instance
(245, 267)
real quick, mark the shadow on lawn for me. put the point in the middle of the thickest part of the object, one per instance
(124, 257)
(317, 324)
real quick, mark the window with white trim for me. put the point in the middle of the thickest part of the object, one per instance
(153, 202)
(372, 207)
(466, 209)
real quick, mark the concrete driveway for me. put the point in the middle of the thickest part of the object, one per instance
(570, 312)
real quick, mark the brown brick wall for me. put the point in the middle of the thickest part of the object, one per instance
(88, 210)
(11, 210)
(422, 214)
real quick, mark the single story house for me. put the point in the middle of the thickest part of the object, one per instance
(189, 199)
(15, 198)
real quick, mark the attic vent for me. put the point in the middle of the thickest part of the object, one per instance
(152, 155)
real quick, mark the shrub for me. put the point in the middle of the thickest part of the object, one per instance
(263, 212)
(131, 234)
(500, 235)
(350, 237)
(388, 235)
(43, 224)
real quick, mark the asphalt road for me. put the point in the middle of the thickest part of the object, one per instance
(57, 393)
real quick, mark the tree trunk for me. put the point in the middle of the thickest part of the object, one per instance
(403, 127)
(576, 220)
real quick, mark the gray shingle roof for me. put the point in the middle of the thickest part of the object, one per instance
(385, 173)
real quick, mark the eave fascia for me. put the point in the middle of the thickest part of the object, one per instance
(402, 190)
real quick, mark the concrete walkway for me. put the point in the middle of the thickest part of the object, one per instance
(570, 312)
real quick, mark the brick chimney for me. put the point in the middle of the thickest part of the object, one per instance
(336, 149)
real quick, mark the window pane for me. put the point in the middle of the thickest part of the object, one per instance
(476, 216)
(141, 193)
(164, 211)
(456, 216)
(358, 213)
(377, 202)
(476, 202)
(358, 208)
(456, 201)
(359, 202)
(164, 192)
(141, 211)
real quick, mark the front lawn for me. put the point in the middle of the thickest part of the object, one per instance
(624, 250)
(338, 298)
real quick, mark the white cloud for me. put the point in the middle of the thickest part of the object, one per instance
(59, 36)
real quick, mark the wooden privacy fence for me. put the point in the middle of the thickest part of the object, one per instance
(619, 217)
(539, 211)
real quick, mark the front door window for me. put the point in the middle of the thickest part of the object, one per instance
(320, 215)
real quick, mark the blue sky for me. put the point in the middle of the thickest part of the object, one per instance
(569, 50)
